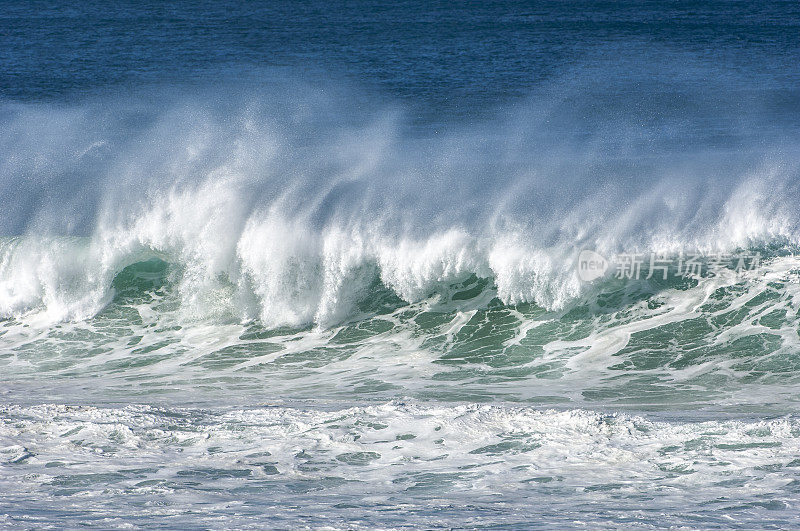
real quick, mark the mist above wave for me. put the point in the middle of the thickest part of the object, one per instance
(286, 202)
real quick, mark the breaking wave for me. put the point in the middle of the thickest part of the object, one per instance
(290, 205)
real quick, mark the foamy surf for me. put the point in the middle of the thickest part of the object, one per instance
(427, 466)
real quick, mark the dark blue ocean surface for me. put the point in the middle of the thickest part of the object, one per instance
(450, 57)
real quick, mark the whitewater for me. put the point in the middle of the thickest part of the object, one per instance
(266, 209)
(301, 308)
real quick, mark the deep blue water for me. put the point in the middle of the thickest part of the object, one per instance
(450, 57)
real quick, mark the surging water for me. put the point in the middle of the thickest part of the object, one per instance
(425, 466)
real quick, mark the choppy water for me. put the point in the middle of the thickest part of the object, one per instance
(305, 266)
(394, 464)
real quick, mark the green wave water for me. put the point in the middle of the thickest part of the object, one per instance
(724, 342)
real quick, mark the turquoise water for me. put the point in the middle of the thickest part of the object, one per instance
(304, 266)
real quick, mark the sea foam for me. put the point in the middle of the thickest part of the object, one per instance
(287, 205)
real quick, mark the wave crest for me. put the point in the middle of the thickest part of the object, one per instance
(288, 205)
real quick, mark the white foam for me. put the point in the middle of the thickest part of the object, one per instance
(271, 210)
(359, 459)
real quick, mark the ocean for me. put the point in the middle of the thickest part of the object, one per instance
(415, 264)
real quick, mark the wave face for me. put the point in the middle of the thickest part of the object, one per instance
(229, 232)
